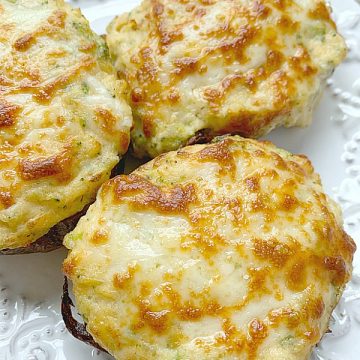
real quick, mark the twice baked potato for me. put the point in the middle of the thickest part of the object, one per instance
(229, 250)
(227, 66)
(64, 121)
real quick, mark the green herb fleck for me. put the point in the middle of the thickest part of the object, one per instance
(85, 88)
(316, 32)
(287, 341)
(82, 122)
(82, 28)
(103, 50)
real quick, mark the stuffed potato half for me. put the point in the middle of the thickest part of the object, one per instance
(229, 250)
(64, 120)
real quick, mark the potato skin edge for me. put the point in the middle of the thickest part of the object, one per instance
(53, 240)
(50, 241)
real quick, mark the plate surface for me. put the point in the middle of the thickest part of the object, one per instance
(30, 285)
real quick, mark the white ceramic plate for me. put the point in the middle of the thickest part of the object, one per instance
(30, 285)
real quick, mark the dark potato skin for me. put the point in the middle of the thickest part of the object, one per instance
(54, 238)
(203, 136)
(75, 328)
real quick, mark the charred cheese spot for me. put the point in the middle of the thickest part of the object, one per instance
(235, 66)
(221, 154)
(232, 339)
(296, 276)
(165, 37)
(273, 251)
(54, 23)
(124, 141)
(46, 93)
(100, 237)
(288, 25)
(288, 202)
(257, 333)
(56, 147)
(174, 95)
(136, 95)
(70, 266)
(337, 266)
(213, 251)
(156, 320)
(59, 165)
(142, 194)
(301, 62)
(148, 126)
(187, 65)
(107, 120)
(120, 281)
(260, 10)
(6, 198)
(252, 183)
(8, 113)
(321, 12)
(24, 42)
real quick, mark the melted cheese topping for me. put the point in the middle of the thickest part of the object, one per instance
(223, 251)
(63, 117)
(240, 66)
